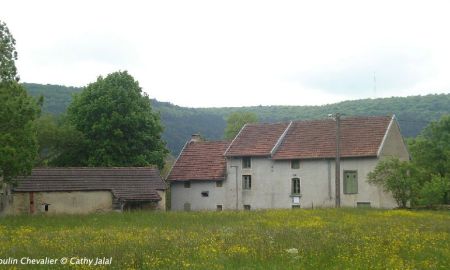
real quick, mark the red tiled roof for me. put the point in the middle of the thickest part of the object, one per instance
(256, 140)
(200, 161)
(360, 136)
(126, 183)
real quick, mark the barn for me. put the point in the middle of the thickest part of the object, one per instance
(85, 190)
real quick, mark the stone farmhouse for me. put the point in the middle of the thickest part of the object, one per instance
(286, 165)
(85, 190)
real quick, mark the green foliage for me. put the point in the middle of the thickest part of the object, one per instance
(8, 55)
(431, 157)
(236, 121)
(118, 124)
(396, 176)
(18, 145)
(56, 98)
(431, 150)
(434, 191)
(413, 113)
(59, 142)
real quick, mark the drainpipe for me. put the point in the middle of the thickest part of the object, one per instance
(330, 196)
(237, 191)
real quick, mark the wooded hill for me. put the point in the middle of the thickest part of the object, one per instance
(413, 112)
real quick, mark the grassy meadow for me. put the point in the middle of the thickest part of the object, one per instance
(275, 239)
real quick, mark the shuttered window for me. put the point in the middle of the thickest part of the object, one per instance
(350, 182)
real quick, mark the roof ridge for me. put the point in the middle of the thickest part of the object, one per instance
(237, 135)
(280, 140)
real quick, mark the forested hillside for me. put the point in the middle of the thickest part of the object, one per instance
(413, 113)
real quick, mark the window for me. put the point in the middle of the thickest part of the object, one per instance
(187, 184)
(205, 193)
(219, 207)
(295, 164)
(295, 206)
(46, 207)
(363, 204)
(246, 162)
(295, 186)
(247, 206)
(350, 182)
(187, 207)
(246, 182)
(219, 184)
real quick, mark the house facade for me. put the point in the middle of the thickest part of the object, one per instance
(84, 190)
(287, 165)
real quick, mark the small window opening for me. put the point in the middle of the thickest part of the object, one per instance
(219, 207)
(187, 207)
(295, 164)
(246, 162)
(219, 184)
(187, 184)
(205, 193)
(363, 204)
(247, 206)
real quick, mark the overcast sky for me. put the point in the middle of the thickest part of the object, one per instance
(235, 53)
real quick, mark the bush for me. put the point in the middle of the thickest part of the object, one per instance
(434, 192)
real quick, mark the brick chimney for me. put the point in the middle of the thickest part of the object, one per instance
(195, 138)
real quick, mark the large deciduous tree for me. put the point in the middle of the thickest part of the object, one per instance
(118, 125)
(236, 121)
(18, 146)
(8, 55)
(431, 156)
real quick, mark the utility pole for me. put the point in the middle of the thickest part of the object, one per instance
(337, 117)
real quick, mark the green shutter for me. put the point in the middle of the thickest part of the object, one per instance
(350, 182)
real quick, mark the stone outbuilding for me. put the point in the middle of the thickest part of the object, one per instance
(85, 190)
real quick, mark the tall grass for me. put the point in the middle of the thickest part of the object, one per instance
(275, 239)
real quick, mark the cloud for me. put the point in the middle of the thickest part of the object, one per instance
(394, 69)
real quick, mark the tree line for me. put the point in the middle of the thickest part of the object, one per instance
(413, 113)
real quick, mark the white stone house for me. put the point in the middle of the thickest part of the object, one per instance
(286, 165)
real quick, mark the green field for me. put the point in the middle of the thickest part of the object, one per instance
(276, 239)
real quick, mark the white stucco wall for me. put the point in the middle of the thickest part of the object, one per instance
(193, 195)
(271, 186)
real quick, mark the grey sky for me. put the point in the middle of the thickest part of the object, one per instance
(233, 53)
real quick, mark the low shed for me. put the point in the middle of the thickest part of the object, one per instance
(85, 190)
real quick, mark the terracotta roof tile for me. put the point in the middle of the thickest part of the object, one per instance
(360, 136)
(256, 140)
(126, 183)
(200, 161)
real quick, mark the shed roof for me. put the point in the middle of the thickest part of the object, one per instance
(126, 183)
(202, 160)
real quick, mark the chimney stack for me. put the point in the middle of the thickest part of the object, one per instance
(196, 138)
